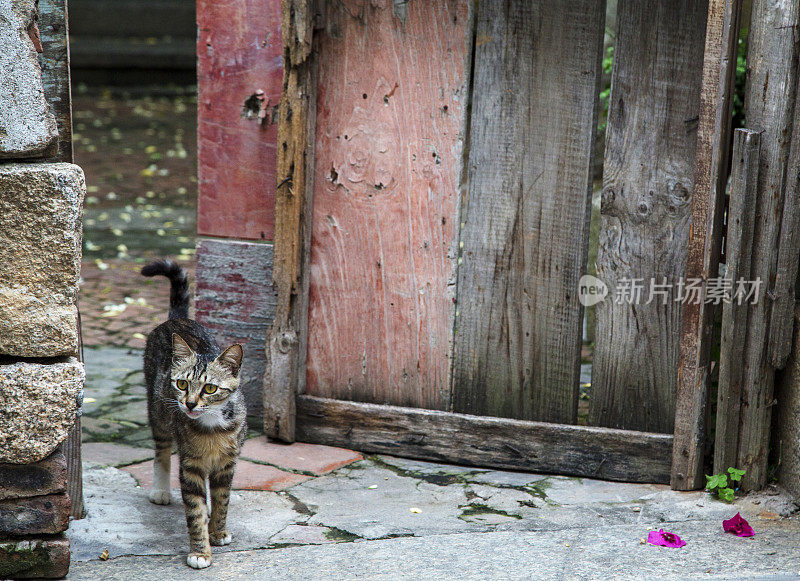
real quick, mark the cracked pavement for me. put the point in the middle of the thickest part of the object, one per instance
(315, 512)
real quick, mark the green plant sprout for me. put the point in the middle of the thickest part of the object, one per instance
(723, 484)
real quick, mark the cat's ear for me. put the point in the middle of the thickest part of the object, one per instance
(180, 348)
(231, 359)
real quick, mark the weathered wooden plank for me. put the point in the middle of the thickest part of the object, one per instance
(392, 106)
(772, 61)
(239, 70)
(647, 183)
(787, 424)
(738, 252)
(784, 291)
(235, 298)
(53, 24)
(705, 239)
(285, 349)
(525, 232)
(483, 441)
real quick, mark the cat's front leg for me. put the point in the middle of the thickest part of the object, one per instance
(220, 484)
(193, 491)
(159, 494)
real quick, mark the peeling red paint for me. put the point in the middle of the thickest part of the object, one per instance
(238, 57)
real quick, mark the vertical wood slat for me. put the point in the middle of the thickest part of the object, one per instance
(53, 29)
(773, 49)
(53, 26)
(738, 254)
(293, 202)
(785, 55)
(526, 217)
(647, 183)
(705, 238)
(393, 97)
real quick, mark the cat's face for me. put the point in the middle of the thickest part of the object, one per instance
(201, 389)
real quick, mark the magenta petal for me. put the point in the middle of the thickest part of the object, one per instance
(665, 539)
(738, 526)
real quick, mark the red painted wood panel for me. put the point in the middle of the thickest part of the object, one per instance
(238, 54)
(391, 110)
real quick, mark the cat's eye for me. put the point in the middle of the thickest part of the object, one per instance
(182, 384)
(209, 388)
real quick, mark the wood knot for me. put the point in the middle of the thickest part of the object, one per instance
(286, 341)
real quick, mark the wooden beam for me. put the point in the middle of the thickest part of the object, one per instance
(483, 441)
(647, 182)
(525, 223)
(738, 254)
(286, 340)
(705, 238)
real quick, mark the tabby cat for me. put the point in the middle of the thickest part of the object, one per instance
(194, 401)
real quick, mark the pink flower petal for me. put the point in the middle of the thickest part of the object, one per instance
(738, 526)
(665, 539)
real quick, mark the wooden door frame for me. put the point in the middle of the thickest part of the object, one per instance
(475, 440)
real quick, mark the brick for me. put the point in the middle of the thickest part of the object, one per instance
(37, 408)
(312, 458)
(34, 558)
(48, 476)
(235, 298)
(29, 126)
(248, 476)
(40, 218)
(34, 516)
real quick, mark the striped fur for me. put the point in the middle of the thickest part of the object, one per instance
(181, 357)
(179, 285)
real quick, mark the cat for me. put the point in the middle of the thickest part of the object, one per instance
(194, 401)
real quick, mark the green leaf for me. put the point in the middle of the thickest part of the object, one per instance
(726, 494)
(736, 475)
(716, 481)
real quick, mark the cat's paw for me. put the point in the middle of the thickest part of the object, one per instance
(198, 560)
(220, 539)
(160, 496)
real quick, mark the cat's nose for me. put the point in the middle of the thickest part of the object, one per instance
(190, 405)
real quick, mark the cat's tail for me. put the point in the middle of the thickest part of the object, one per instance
(179, 285)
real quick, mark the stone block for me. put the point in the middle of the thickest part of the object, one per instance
(37, 408)
(40, 256)
(27, 125)
(39, 515)
(788, 421)
(236, 298)
(48, 476)
(34, 558)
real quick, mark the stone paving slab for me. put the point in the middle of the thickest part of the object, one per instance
(607, 552)
(308, 458)
(428, 520)
(120, 518)
(248, 476)
(109, 454)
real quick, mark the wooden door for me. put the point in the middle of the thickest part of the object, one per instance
(432, 216)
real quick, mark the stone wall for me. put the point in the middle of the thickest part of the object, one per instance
(788, 420)
(41, 381)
